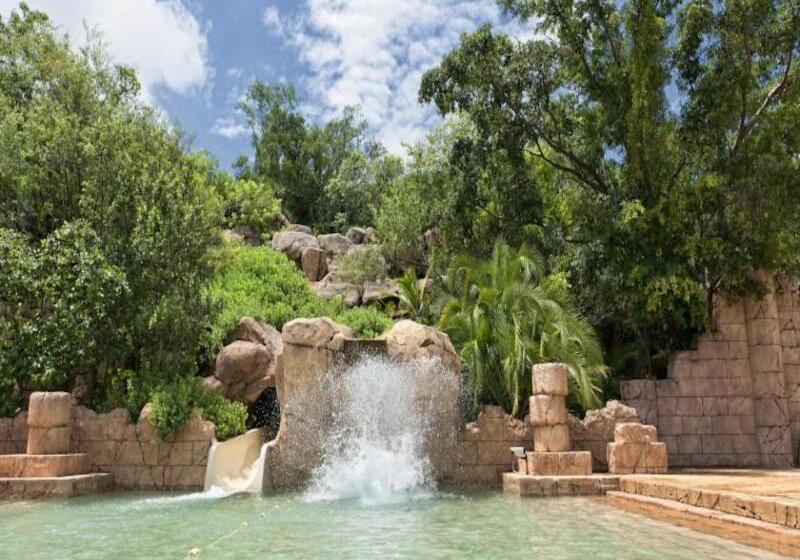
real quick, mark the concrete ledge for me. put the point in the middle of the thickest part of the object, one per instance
(550, 486)
(54, 487)
(752, 532)
(44, 466)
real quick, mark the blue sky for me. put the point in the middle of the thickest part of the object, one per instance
(196, 57)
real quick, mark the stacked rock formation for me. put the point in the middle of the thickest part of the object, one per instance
(636, 449)
(49, 423)
(551, 453)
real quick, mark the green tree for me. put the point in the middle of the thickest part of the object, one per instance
(504, 315)
(79, 147)
(675, 125)
(298, 156)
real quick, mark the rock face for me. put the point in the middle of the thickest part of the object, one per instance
(49, 429)
(334, 244)
(246, 367)
(328, 288)
(356, 235)
(293, 243)
(314, 263)
(596, 430)
(380, 292)
(321, 332)
(408, 340)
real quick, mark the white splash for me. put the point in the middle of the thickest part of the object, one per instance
(375, 448)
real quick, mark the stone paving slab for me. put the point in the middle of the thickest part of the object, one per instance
(768, 496)
(752, 532)
(54, 487)
(532, 486)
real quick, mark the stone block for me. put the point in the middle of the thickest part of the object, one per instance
(741, 405)
(492, 428)
(627, 458)
(727, 425)
(548, 410)
(770, 411)
(666, 388)
(733, 332)
(689, 406)
(738, 368)
(550, 379)
(493, 453)
(48, 441)
(638, 389)
(49, 409)
(688, 445)
(551, 438)
(680, 365)
(671, 425)
(765, 358)
(738, 350)
(569, 463)
(632, 432)
(715, 406)
(763, 332)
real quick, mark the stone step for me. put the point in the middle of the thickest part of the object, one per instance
(54, 487)
(44, 466)
(532, 486)
(769, 509)
(751, 532)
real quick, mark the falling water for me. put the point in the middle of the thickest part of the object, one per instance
(375, 448)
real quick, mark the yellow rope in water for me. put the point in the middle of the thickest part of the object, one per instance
(195, 551)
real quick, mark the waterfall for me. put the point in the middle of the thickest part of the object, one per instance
(374, 447)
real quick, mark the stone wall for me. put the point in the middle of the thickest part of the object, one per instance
(484, 448)
(131, 452)
(734, 401)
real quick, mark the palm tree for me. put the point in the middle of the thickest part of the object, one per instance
(504, 315)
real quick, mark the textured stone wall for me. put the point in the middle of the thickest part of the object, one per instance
(484, 448)
(735, 400)
(131, 452)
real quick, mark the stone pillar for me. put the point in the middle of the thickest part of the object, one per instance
(548, 412)
(636, 449)
(49, 418)
(770, 407)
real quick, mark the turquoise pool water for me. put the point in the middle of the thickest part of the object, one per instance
(479, 526)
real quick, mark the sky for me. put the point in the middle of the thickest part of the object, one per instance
(196, 58)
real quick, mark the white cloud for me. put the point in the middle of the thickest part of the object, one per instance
(372, 53)
(272, 20)
(229, 127)
(160, 38)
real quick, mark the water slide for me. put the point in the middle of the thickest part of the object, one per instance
(237, 465)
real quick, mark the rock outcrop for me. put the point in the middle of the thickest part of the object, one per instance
(293, 243)
(408, 340)
(246, 367)
(596, 430)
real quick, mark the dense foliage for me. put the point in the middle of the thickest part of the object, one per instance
(670, 132)
(174, 403)
(261, 283)
(504, 315)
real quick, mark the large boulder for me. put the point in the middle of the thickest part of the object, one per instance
(356, 235)
(329, 288)
(320, 332)
(380, 292)
(244, 370)
(408, 340)
(251, 330)
(293, 243)
(314, 263)
(300, 228)
(334, 244)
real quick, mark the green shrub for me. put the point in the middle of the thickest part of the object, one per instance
(261, 283)
(362, 264)
(366, 322)
(63, 304)
(251, 204)
(174, 403)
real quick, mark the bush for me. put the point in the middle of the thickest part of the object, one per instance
(174, 403)
(261, 283)
(63, 302)
(366, 322)
(362, 264)
(251, 204)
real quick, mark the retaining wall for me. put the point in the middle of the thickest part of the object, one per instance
(735, 400)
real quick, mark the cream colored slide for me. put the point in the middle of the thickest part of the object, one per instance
(237, 465)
